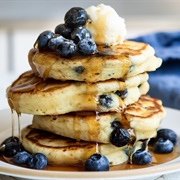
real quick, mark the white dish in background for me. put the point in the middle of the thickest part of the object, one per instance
(172, 121)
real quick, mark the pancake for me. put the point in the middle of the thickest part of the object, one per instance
(32, 95)
(68, 152)
(113, 62)
(141, 118)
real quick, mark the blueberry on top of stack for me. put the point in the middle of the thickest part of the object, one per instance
(70, 36)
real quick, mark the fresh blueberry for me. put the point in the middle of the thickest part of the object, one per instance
(67, 48)
(10, 139)
(11, 148)
(167, 134)
(21, 157)
(54, 42)
(152, 141)
(122, 94)
(63, 30)
(79, 69)
(105, 100)
(43, 38)
(119, 137)
(75, 17)
(97, 162)
(87, 46)
(80, 33)
(116, 124)
(141, 157)
(163, 146)
(37, 161)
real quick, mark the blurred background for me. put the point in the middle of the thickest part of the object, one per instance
(21, 21)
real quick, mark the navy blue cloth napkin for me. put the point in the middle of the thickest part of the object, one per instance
(166, 44)
(165, 81)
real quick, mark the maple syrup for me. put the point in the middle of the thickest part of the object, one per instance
(45, 62)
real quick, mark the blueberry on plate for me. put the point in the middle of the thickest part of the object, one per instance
(10, 139)
(167, 134)
(141, 157)
(97, 162)
(87, 46)
(163, 146)
(80, 33)
(43, 38)
(54, 42)
(63, 30)
(21, 158)
(37, 161)
(119, 137)
(11, 148)
(67, 48)
(75, 17)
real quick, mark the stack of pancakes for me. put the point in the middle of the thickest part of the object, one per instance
(76, 101)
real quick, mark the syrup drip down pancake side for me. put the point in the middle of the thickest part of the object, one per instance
(32, 95)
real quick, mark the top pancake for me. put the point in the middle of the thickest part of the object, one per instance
(120, 61)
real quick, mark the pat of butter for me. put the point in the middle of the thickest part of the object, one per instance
(106, 26)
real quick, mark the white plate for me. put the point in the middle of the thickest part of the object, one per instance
(171, 121)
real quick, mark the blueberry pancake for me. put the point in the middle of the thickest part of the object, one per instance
(32, 95)
(68, 152)
(142, 118)
(120, 61)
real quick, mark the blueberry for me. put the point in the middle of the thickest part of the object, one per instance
(105, 100)
(76, 16)
(10, 139)
(116, 124)
(67, 48)
(79, 69)
(167, 134)
(141, 157)
(37, 161)
(11, 148)
(122, 94)
(119, 137)
(43, 38)
(87, 46)
(54, 42)
(97, 162)
(163, 146)
(63, 30)
(152, 141)
(21, 157)
(80, 33)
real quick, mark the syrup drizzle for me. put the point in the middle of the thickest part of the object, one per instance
(89, 94)
(19, 129)
(42, 63)
(13, 124)
(98, 148)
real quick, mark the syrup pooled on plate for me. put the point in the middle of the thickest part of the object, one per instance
(157, 160)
